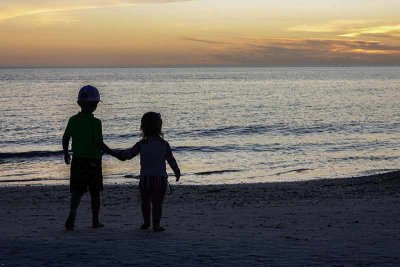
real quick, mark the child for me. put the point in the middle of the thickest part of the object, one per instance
(153, 150)
(87, 147)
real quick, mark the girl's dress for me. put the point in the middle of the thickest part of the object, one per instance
(154, 151)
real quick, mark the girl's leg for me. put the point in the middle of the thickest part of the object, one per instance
(157, 201)
(75, 200)
(146, 207)
(95, 204)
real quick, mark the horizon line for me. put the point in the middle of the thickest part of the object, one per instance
(199, 66)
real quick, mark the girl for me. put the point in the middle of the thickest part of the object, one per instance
(154, 151)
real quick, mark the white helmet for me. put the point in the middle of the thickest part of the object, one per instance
(89, 93)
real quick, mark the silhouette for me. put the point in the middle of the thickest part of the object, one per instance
(154, 151)
(87, 147)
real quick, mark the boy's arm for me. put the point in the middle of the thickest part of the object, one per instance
(112, 152)
(172, 163)
(100, 142)
(119, 154)
(65, 144)
(106, 149)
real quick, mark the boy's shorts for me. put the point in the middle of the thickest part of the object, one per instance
(86, 174)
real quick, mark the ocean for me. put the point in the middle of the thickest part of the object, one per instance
(226, 125)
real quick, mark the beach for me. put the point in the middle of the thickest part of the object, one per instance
(279, 119)
(332, 222)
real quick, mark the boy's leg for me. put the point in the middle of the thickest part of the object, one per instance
(157, 201)
(146, 207)
(75, 200)
(95, 204)
(95, 185)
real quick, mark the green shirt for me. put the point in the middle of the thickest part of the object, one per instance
(86, 134)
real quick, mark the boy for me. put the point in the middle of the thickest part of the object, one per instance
(87, 148)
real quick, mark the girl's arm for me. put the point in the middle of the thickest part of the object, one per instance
(172, 163)
(129, 153)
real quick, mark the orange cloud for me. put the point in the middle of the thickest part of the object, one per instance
(214, 52)
(305, 52)
(376, 31)
(238, 52)
(12, 9)
(329, 27)
(350, 28)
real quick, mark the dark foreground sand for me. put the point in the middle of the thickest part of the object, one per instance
(344, 222)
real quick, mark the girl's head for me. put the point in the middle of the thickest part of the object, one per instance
(151, 125)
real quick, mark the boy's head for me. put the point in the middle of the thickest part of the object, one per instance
(151, 124)
(88, 98)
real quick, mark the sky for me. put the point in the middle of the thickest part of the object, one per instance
(157, 33)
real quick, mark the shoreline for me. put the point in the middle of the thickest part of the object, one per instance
(386, 173)
(344, 221)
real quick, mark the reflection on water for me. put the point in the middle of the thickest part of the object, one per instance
(227, 125)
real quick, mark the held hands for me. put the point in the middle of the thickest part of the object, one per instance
(120, 157)
(117, 154)
(67, 158)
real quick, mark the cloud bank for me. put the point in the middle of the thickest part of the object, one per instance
(299, 51)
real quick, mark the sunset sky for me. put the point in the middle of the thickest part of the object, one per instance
(123, 33)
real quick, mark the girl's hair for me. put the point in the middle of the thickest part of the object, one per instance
(151, 125)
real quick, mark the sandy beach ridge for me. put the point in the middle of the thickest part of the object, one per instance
(335, 222)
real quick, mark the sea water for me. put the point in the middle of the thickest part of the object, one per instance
(226, 125)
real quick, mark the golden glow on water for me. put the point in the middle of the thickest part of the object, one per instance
(202, 32)
(225, 125)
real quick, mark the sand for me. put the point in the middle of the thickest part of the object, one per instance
(340, 222)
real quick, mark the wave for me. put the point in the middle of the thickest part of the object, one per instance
(216, 172)
(294, 170)
(227, 148)
(31, 180)
(129, 176)
(30, 154)
(365, 158)
(228, 130)
(233, 148)
(203, 149)
(132, 176)
(203, 173)
(279, 128)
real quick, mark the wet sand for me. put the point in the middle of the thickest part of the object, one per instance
(340, 222)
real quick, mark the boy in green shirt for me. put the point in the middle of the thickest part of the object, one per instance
(87, 149)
